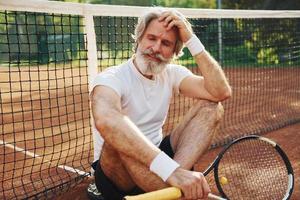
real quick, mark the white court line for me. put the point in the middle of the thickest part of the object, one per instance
(20, 150)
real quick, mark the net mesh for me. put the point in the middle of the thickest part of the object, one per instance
(45, 139)
(45, 119)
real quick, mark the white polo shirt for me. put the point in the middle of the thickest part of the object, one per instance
(145, 102)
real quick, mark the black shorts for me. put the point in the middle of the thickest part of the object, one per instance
(109, 190)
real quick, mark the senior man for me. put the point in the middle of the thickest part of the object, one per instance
(130, 104)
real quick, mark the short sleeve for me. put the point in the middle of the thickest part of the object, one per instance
(178, 73)
(110, 79)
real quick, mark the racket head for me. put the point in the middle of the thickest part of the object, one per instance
(256, 168)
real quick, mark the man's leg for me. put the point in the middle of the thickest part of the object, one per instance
(126, 173)
(113, 168)
(111, 178)
(189, 140)
(193, 135)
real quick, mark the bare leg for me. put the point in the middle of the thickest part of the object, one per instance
(189, 140)
(141, 175)
(193, 135)
(114, 169)
(128, 173)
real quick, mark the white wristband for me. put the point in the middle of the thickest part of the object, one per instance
(194, 45)
(163, 166)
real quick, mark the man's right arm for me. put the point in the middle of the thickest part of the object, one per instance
(117, 129)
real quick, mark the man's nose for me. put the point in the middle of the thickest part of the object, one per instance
(156, 47)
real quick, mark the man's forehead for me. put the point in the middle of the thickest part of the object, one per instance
(158, 28)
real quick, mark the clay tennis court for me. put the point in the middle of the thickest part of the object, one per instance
(46, 136)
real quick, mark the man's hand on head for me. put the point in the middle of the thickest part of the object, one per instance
(173, 19)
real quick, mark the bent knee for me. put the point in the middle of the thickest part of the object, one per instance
(210, 109)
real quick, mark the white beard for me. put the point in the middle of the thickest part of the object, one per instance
(149, 67)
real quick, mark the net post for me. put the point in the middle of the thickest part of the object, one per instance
(91, 57)
(91, 48)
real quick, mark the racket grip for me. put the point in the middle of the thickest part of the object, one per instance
(165, 194)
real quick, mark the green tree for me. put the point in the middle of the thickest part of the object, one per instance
(188, 3)
(122, 2)
(73, 1)
(268, 39)
(262, 4)
(166, 3)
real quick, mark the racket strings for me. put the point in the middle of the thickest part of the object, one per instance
(254, 170)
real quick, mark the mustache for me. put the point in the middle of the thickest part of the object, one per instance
(156, 55)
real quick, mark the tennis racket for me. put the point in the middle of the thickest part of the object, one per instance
(251, 167)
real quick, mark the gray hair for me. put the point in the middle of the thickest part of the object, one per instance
(152, 14)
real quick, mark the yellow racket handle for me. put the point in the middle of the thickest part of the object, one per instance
(170, 193)
(164, 194)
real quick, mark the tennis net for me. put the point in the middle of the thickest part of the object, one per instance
(49, 54)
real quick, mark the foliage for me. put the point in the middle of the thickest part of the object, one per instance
(187, 3)
(123, 2)
(166, 3)
(39, 37)
(228, 4)
(262, 4)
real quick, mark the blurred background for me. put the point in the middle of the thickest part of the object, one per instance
(225, 4)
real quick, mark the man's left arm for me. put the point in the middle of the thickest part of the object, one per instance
(212, 85)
